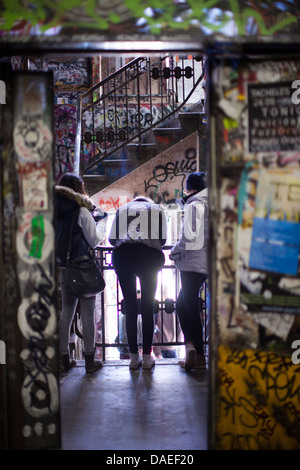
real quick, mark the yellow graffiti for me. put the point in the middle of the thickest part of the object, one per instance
(259, 397)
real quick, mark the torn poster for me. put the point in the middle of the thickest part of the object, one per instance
(269, 240)
(275, 242)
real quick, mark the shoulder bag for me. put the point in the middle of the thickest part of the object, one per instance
(83, 277)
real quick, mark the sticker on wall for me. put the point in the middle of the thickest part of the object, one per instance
(32, 139)
(36, 319)
(38, 236)
(40, 394)
(275, 246)
(33, 186)
(35, 238)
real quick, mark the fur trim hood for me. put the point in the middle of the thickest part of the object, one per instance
(80, 199)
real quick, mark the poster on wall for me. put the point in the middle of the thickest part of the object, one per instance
(69, 73)
(273, 117)
(266, 138)
(276, 229)
(269, 241)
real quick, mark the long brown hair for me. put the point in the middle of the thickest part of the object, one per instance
(72, 181)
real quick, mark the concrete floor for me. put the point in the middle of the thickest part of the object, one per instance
(119, 409)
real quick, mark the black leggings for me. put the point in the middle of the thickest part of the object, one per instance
(187, 308)
(132, 260)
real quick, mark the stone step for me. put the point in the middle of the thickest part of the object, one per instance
(94, 183)
(166, 130)
(167, 136)
(191, 115)
(144, 151)
(190, 121)
(117, 162)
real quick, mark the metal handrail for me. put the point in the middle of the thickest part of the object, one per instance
(101, 137)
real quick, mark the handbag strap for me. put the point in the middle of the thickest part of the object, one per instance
(71, 233)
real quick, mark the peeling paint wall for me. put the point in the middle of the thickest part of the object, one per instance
(256, 144)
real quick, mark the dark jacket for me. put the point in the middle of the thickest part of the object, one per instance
(68, 205)
(139, 221)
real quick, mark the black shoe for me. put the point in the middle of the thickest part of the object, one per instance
(90, 364)
(66, 363)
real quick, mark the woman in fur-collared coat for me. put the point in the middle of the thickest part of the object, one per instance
(88, 231)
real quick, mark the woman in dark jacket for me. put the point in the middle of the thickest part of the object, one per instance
(71, 202)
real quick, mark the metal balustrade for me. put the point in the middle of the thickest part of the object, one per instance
(110, 306)
(119, 110)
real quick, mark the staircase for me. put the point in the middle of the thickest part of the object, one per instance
(134, 114)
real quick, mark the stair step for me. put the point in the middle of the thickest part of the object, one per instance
(190, 121)
(142, 151)
(191, 115)
(95, 178)
(94, 183)
(117, 162)
(149, 146)
(165, 137)
(166, 130)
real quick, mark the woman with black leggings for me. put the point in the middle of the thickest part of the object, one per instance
(190, 257)
(138, 234)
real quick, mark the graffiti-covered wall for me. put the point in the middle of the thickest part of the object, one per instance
(255, 143)
(29, 316)
(162, 178)
(72, 76)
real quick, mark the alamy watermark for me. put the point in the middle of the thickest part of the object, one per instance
(144, 223)
(296, 354)
(2, 352)
(296, 93)
(2, 92)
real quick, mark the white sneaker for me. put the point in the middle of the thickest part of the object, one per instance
(148, 361)
(135, 360)
(190, 357)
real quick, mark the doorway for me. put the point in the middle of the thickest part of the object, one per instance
(62, 385)
(116, 361)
